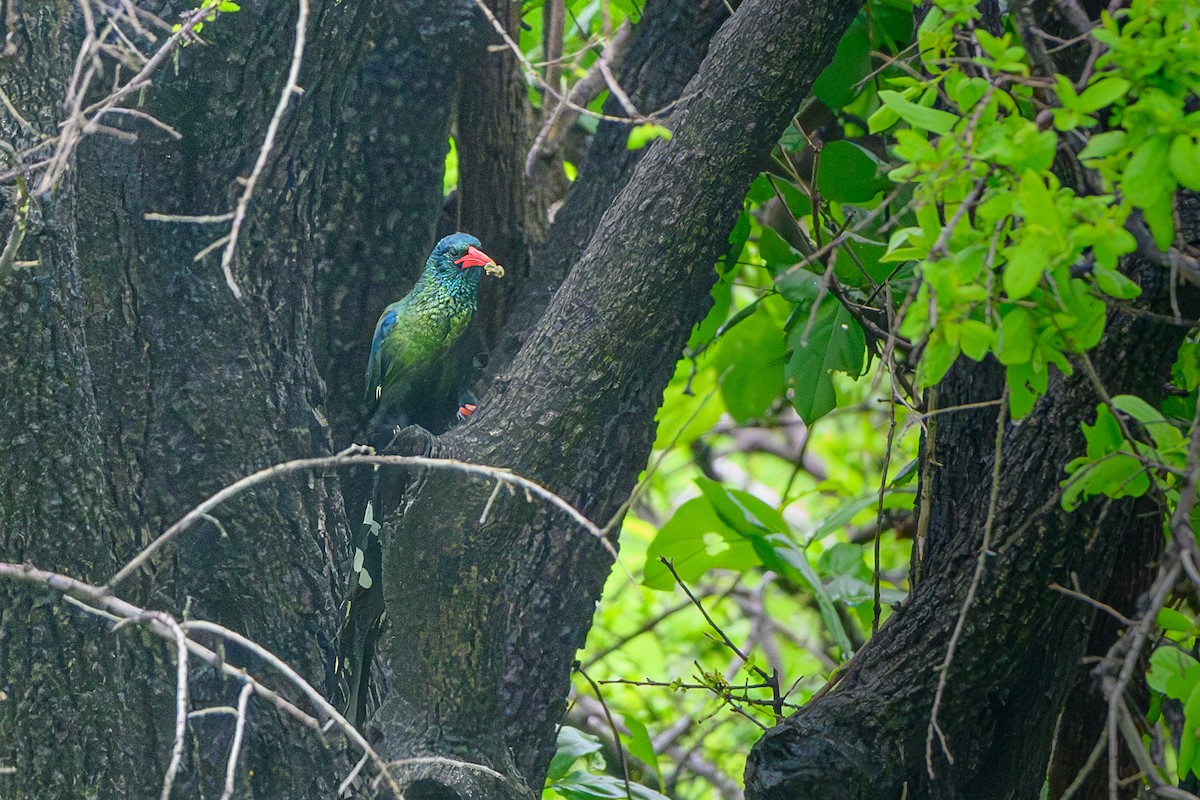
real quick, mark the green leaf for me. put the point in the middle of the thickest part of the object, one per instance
(1022, 391)
(843, 558)
(1114, 284)
(967, 92)
(1188, 738)
(1186, 368)
(1039, 206)
(1184, 158)
(589, 786)
(1166, 436)
(891, 21)
(1143, 179)
(794, 557)
(644, 134)
(750, 360)
(1114, 476)
(842, 516)
(1160, 218)
(836, 86)
(742, 511)
(1026, 261)
(1103, 92)
(1104, 437)
(1168, 664)
(737, 242)
(798, 202)
(640, 747)
(835, 342)
(926, 119)
(695, 539)
(1138, 408)
(847, 174)
(1171, 620)
(1104, 144)
(776, 252)
(881, 119)
(940, 354)
(450, 169)
(572, 744)
(975, 338)
(1018, 334)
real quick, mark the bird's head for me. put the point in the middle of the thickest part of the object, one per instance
(458, 257)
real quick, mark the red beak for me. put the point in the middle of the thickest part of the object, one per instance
(474, 258)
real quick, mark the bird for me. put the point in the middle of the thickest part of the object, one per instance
(410, 380)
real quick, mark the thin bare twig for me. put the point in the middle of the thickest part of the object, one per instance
(877, 609)
(345, 784)
(976, 577)
(181, 700)
(78, 121)
(1089, 765)
(293, 677)
(290, 88)
(1181, 520)
(583, 92)
(1091, 601)
(355, 454)
(1132, 643)
(155, 121)
(97, 599)
(613, 725)
(646, 627)
(532, 75)
(16, 234)
(203, 219)
(769, 680)
(238, 731)
(451, 762)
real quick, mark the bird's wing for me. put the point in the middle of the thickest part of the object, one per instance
(377, 366)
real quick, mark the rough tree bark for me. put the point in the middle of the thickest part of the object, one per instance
(133, 385)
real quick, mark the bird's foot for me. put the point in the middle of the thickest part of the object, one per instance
(467, 404)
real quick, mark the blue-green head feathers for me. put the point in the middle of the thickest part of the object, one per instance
(452, 260)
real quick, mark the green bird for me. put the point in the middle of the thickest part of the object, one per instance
(409, 382)
(407, 379)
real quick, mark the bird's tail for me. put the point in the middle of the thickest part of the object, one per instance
(363, 611)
